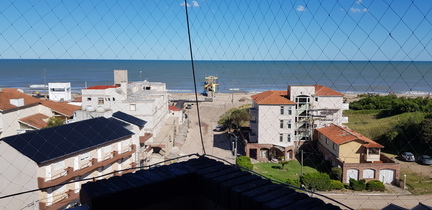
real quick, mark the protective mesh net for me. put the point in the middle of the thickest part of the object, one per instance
(320, 84)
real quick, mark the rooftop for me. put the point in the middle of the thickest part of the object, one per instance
(199, 183)
(272, 97)
(55, 142)
(341, 135)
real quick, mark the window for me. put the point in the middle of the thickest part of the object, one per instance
(282, 110)
(100, 101)
(146, 88)
(88, 99)
(281, 137)
(289, 137)
(57, 89)
(289, 124)
(113, 99)
(334, 146)
(133, 107)
(85, 156)
(281, 124)
(316, 99)
(326, 140)
(290, 110)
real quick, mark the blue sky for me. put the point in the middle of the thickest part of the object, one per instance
(220, 30)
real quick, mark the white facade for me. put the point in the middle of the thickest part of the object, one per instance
(60, 91)
(19, 173)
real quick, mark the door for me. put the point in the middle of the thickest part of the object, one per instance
(352, 174)
(387, 176)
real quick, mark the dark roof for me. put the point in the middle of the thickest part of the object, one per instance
(200, 183)
(129, 118)
(52, 143)
(119, 122)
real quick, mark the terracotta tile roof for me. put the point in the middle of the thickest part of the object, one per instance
(341, 135)
(102, 87)
(173, 108)
(37, 121)
(272, 97)
(325, 91)
(12, 93)
(62, 108)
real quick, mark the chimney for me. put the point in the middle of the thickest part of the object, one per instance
(17, 102)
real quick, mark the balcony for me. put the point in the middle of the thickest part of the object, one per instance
(63, 200)
(93, 164)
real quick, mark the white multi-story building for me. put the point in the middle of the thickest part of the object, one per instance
(60, 91)
(58, 160)
(144, 100)
(282, 120)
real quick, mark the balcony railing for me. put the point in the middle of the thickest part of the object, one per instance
(91, 166)
(64, 199)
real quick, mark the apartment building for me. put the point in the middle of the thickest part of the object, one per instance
(358, 156)
(147, 101)
(282, 120)
(58, 160)
(20, 112)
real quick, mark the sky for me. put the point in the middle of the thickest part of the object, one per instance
(398, 30)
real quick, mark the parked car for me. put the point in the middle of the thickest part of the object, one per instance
(425, 160)
(219, 128)
(408, 156)
(188, 106)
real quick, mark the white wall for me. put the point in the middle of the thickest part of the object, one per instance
(17, 174)
(60, 91)
(269, 125)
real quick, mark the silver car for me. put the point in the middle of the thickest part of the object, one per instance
(408, 156)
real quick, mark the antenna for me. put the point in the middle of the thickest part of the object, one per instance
(45, 85)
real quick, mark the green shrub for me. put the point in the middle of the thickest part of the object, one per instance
(375, 185)
(293, 182)
(336, 173)
(317, 181)
(245, 162)
(336, 185)
(357, 185)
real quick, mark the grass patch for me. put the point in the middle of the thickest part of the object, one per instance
(272, 170)
(417, 183)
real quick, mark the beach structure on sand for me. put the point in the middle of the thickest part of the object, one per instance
(281, 121)
(20, 112)
(210, 85)
(60, 91)
(144, 100)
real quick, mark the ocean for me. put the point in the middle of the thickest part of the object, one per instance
(240, 76)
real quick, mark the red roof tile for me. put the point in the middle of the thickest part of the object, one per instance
(12, 93)
(37, 121)
(172, 108)
(341, 135)
(62, 108)
(102, 87)
(325, 91)
(272, 97)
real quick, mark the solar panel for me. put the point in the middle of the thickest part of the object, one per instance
(129, 118)
(51, 143)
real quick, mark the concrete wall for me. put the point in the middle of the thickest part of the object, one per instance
(17, 174)
(269, 117)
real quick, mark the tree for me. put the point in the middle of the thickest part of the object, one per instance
(235, 117)
(283, 163)
(426, 130)
(55, 121)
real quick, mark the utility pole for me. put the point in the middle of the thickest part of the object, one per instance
(301, 158)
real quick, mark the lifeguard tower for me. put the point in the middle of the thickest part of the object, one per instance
(210, 86)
